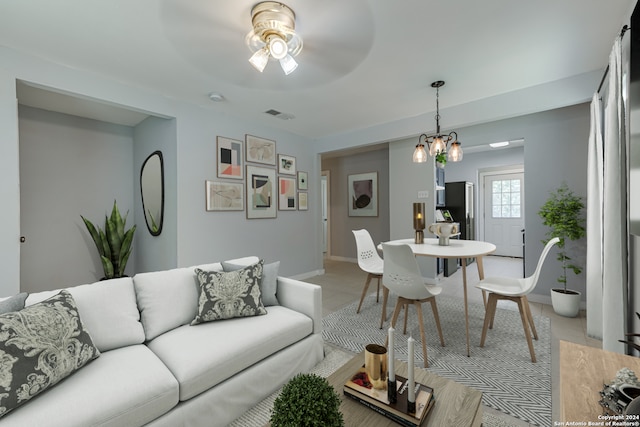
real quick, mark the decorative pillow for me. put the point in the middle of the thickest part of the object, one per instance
(268, 283)
(39, 346)
(13, 303)
(225, 295)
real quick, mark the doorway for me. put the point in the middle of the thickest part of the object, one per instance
(502, 207)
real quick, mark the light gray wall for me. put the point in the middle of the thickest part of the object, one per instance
(467, 170)
(406, 179)
(155, 253)
(69, 166)
(342, 241)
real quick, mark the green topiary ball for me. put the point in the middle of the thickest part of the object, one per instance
(308, 400)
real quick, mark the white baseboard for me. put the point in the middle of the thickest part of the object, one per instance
(303, 276)
(343, 259)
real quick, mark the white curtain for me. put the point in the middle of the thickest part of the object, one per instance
(594, 221)
(610, 240)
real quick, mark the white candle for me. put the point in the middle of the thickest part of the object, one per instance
(412, 383)
(390, 356)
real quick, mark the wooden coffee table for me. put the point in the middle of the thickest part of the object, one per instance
(455, 405)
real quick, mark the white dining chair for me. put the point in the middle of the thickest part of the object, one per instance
(402, 276)
(371, 263)
(516, 290)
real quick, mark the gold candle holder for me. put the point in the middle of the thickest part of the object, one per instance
(419, 222)
(375, 364)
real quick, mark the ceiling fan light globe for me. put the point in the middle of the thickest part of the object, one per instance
(259, 59)
(278, 47)
(288, 64)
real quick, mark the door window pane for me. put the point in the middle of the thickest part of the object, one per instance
(506, 198)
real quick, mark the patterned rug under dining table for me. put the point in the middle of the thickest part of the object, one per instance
(455, 404)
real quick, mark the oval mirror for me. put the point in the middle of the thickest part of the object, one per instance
(152, 189)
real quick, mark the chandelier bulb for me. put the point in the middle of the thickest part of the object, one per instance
(419, 155)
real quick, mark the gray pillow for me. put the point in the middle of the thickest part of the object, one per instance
(268, 283)
(13, 303)
(225, 295)
(39, 346)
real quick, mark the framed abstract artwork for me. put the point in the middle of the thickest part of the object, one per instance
(303, 201)
(302, 181)
(229, 153)
(224, 196)
(287, 194)
(261, 202)
(363, 194)
(286, 164)
(260, 150)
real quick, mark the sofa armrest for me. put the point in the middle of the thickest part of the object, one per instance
(302, 297)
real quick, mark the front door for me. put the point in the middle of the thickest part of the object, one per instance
(504, 212)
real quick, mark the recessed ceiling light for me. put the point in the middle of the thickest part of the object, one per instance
(216, 97)
(499, 144)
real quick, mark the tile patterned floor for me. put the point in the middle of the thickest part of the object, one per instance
(342, 284)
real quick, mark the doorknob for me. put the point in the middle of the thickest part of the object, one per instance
(22, 239)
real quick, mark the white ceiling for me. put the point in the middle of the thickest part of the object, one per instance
(364, 62)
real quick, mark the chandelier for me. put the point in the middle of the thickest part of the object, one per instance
(438, 144)
(273, 36)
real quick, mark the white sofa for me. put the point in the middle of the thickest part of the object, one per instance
(157, 370)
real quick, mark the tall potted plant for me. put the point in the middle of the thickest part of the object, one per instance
(113, 243)
(562, 213)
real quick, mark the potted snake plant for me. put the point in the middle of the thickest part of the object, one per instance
(113, 243)
(562, 213)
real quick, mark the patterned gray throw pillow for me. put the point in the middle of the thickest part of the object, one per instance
(39, 346)
(225, 295)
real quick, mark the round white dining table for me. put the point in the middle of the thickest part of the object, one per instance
(460, 249)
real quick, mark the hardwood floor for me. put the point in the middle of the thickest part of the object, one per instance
(343, 281)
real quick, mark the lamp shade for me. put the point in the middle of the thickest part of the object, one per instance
(455, 153)
(437, 146)
(288, 64)
(420, 154)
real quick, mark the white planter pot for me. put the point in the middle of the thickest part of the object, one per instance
(565, 304)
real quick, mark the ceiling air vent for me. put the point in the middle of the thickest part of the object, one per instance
(280, 115)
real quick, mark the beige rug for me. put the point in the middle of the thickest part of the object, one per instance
(334, 358)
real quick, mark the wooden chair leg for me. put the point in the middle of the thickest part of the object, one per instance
(406, 316)
(493, 312)
(525, 325)
(530, 317)
(385, 299)
(436, 316)
(364, 291)
(378, 290)
(423, 337)
(488, 316)
(394, 318)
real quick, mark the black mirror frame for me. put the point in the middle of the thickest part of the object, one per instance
(159, 154)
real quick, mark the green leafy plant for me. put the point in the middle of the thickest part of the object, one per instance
(562, 213)
(113, 243)
(441, 158)
(308, 400)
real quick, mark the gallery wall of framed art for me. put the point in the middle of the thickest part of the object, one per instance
(254, 178)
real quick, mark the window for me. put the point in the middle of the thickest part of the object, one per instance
(505, 198)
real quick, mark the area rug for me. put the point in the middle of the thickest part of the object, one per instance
(502, 370)
(259, 415)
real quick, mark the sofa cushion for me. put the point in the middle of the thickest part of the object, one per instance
(202, 356)
(13, 303)
(268, 282)
(108, 310)
(225, 295)
(39, 346)
(128, 386)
